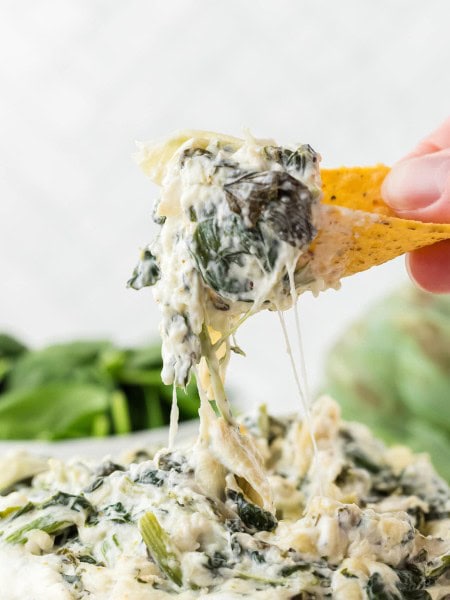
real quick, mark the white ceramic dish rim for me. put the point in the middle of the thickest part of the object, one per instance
(98, 448)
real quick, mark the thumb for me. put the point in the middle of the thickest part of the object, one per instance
(418, 187)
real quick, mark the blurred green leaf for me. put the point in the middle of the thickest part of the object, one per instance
(100, 426)
(84, 388)
(76, 361)
(155, 414)
(188, 402)
(10, 347)
(119, 412)
(5, 367)
(144, 358)
(139, 377)
(52, 411)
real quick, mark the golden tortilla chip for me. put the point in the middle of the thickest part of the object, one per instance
(359, 230)
(362, 230)
(357, 188)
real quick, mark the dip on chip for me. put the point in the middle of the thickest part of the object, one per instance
(249, 224)
(369, 241)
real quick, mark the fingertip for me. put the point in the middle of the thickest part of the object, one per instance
(418, 184)
(429, 267)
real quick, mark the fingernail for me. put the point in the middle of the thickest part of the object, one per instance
(416, 182)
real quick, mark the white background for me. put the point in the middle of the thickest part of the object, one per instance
(360, 80)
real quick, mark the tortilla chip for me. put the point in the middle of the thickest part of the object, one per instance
(357, 188)
(362, 230)
(359, 230)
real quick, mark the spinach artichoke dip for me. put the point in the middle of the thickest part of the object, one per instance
(258, 507)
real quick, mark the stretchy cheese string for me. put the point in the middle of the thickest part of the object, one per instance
(174, 418)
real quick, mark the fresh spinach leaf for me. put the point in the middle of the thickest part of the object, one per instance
(74, 361)
(84, 388)
(52, 411)
(10, 347)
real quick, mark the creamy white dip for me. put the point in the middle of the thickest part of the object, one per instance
(380, 530)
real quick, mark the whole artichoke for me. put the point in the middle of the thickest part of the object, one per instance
(391, 370)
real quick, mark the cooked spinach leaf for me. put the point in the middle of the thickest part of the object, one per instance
(170, 461)
(94, 485)
(46, 523)
(277, 199)
(292, 160)
(377, 590)
(222, 249)
(104, 470)
(72, 501)
(217, 561)
(360, 458)
(152, 476)
(87, 558)
(253, 517)
(108, 467)
(117, 513)
(146, 273)
(410, 586)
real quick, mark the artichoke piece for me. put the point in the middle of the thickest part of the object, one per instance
(391, 370)
(158, 543)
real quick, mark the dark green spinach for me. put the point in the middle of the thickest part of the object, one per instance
(222, 249)
(146, 273)
(277, 199)
(253, 517)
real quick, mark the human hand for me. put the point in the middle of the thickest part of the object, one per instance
(418, 187)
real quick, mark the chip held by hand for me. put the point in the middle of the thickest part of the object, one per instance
(364, 231)
(356, 230)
